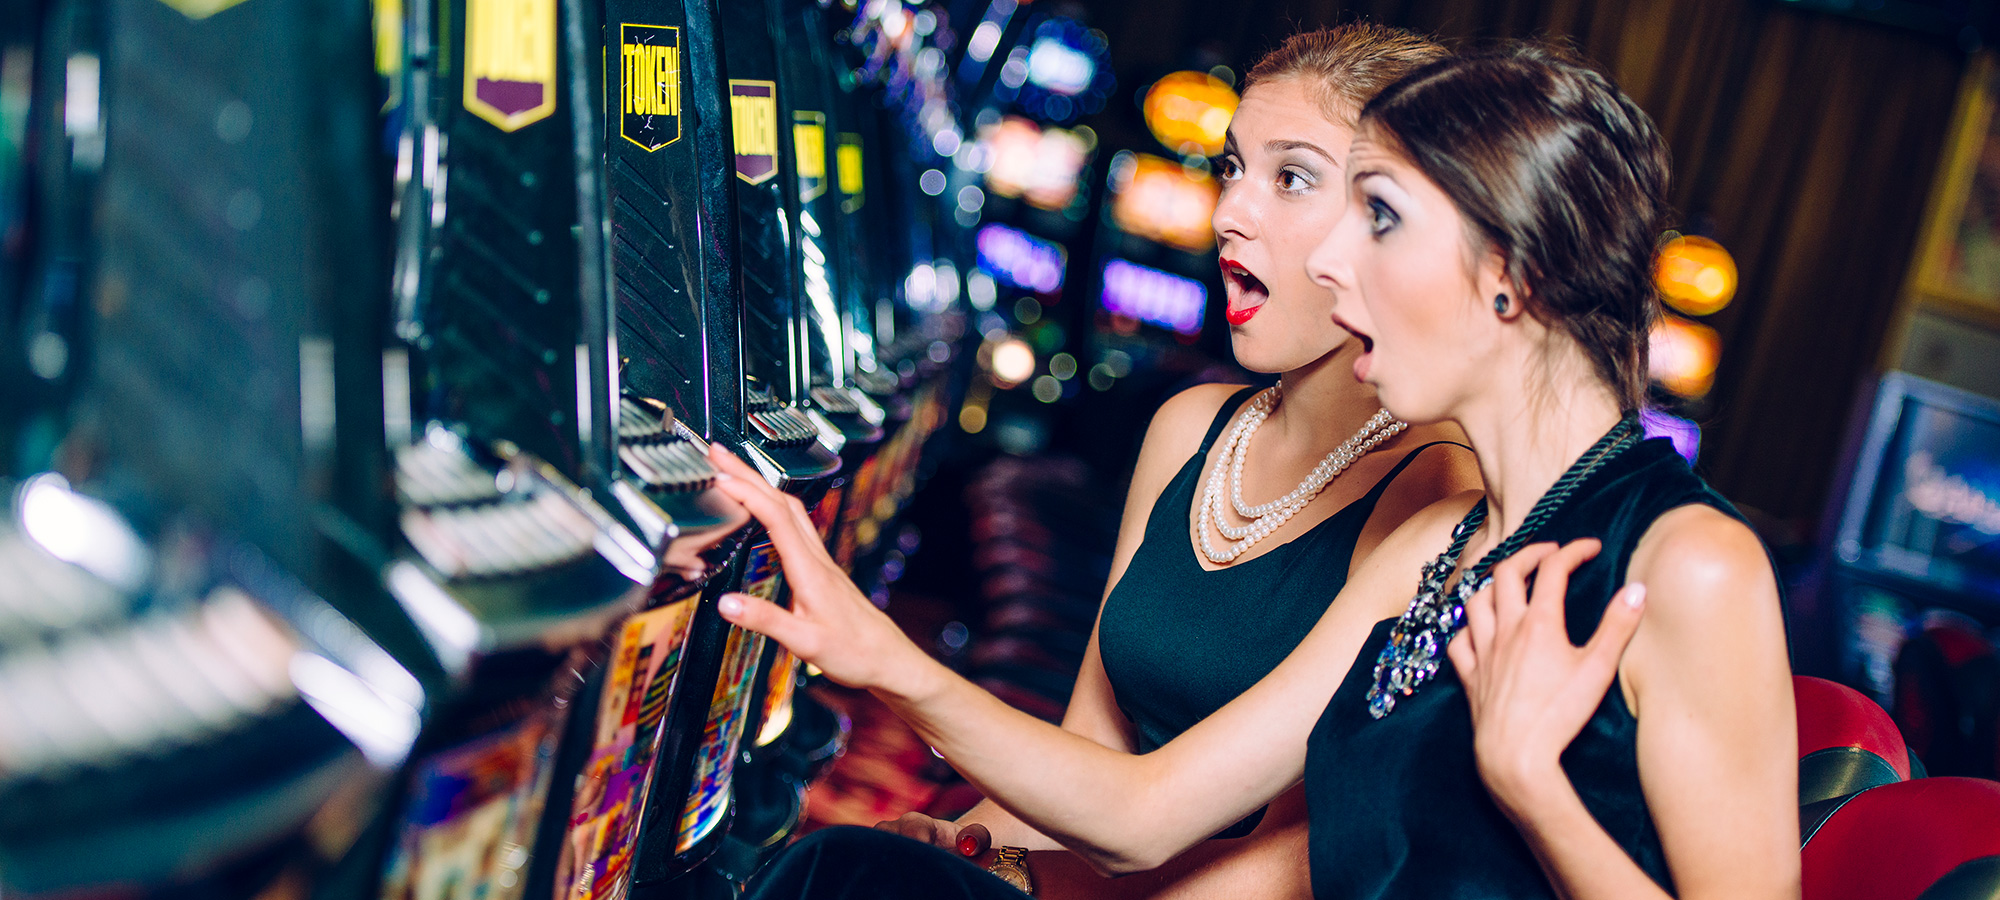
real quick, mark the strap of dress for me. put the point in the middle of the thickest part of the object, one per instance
(1223, 415)
(1367, 500)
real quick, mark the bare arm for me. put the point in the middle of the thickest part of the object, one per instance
(1705, 672)
(1122, 812)
(1174, 435)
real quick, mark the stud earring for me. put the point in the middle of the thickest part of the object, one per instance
(1500, 304)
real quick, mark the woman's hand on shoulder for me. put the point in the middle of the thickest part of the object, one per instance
(1531, 690)
(830, 623)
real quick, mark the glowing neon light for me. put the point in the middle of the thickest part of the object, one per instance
(1020, 259)
(1150, 295)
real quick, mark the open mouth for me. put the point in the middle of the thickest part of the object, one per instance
(1362, 362)
(1246, 293)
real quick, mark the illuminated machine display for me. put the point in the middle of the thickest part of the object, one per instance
(1916, 528)
(186, 701)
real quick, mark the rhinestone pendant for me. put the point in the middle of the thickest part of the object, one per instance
(1416, 647)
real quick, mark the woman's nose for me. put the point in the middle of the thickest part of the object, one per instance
(1232, 216)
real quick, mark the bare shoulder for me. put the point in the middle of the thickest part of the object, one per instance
(1702, 562)
(1176, 431)
(1185, 417)
(1391, 571)
(1440, 466)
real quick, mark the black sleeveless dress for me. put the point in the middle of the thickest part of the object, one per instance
(1179, 641)
(1396, 804)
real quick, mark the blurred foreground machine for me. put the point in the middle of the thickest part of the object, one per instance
(186, 701)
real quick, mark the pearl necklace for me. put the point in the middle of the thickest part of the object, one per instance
(1269, 517)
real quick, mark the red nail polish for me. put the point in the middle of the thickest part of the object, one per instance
(968, 845)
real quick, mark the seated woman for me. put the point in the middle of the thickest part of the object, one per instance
(1197, 610)
(1494, 261)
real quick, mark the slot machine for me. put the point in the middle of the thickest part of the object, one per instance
(687, 812)
(541, 509)
(651, 799)
(189, 702)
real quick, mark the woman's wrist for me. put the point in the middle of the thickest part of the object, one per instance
(1530, 791)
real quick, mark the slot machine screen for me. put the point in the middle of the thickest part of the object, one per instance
(1145, 294)
(728, 709)
(611, 789)
(1164, 201)
(1926, 498)
(472, 814)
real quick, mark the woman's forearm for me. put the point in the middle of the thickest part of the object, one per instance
(1578, 856)
(1006, 828)
(1100, 803)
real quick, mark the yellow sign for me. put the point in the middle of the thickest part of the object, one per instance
(847, 162)
(809, 147)
(510, 61)
(649, 85)
(753, 110)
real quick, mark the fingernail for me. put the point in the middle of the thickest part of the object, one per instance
(968, 845)
(724, 476)
(729, 604)
(1635, 595)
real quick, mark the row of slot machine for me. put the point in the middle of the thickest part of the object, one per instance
(363, 362)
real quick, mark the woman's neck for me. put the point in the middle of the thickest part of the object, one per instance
(1322, 403)
(1526, 437)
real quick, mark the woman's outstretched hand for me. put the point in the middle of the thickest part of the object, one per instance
(1530, 689)
(830, 624)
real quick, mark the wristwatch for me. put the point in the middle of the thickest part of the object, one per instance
(1010, 864)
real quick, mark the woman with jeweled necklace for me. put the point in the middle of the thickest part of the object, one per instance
(1571, 684)
(1248, 508)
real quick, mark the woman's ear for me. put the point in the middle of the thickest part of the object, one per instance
(1493, 281)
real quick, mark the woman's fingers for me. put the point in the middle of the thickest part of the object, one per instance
(1479, 623)
(1466, 661)
(782, 515)
(772, 621)
(974, 840)
(1615, 631)
(1552, 577)
(1509, 589)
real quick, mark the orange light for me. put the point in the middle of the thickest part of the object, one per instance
(1190, 111)
(1695, 275)
(1037, 165)
(1684, 355)
(1165, 201)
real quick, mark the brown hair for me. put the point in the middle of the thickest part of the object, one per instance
(1561, 173)
(1345, 66)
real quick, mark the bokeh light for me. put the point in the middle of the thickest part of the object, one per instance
(1190, 111)
(1695, 275)
(1684, 355)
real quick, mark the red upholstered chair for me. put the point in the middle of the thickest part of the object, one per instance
(1847, 744)
(1928, 839)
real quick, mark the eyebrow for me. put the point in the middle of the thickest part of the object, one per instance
(1282, 145)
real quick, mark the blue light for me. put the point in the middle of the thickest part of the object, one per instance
(1020, 259)
(1155, 297)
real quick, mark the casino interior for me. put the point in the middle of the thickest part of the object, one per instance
(384, 562)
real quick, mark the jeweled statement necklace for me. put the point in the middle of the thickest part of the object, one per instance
(1415, 650)
(1266, 518)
